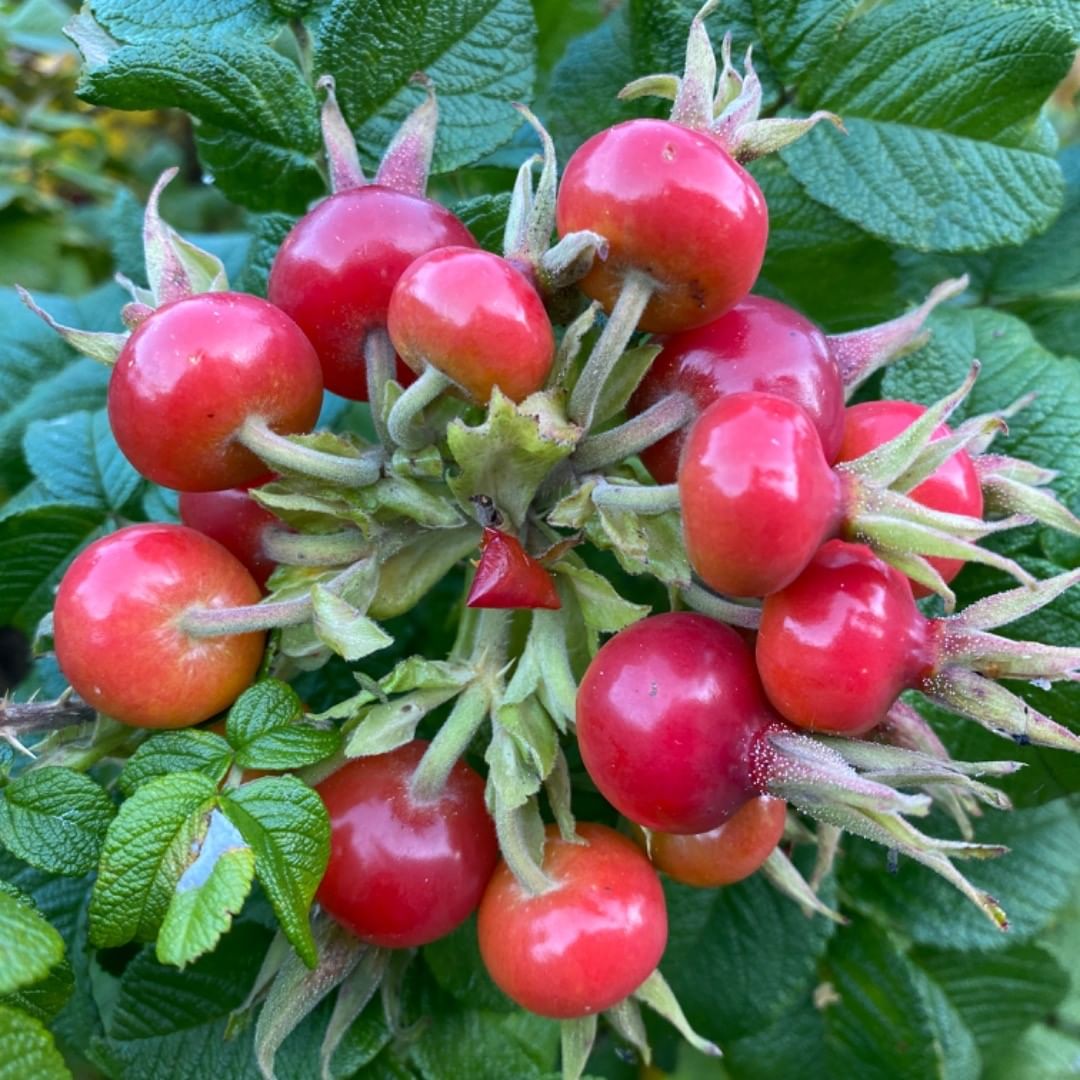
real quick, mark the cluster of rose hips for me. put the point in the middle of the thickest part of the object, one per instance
(686, 725)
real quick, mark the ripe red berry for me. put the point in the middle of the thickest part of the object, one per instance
(336, 269)
(116, 629)
(190, 376)
(586, 944)
(673, 204)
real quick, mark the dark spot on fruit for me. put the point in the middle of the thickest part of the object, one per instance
(653, 689)
(668, 153)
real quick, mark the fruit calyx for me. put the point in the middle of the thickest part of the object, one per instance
(728, 108)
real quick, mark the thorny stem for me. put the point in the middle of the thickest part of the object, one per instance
(249, 618)
(280, 452)
(667, 415)
(637, 290)
(67, 710)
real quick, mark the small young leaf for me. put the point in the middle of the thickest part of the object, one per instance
(27, 1049)
(602, 607)
(147, 848)
(349, 632)
(265, 729)
(286, 824)
(387, 725)
(29, 946)
(209, 893)
(176, 752)
(55, 819)
(418, 673)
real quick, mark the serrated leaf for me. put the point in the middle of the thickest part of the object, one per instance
(286, 824)
(480, 54)
(29, 946)
(265, 728)
(601, 606)
(349, 632)
(947, 101)
(725, 943)
(880, 1026)
(55, 819)
(259, 116)
(162, 1016)
(35, 547)
(485, 217)
(1031, 882)
(147, 848)
(267, 233)
(209, 893)
(510, 454)
(44, 1000)
(134, 20)
(27, 1049)
(1042, 1054)
(76, 461)
(999, 994)
(176, 752)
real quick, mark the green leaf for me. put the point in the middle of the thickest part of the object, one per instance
(602, 607)
(796, 34)
(27, 1049)
(881, 1026)
(259, 117)
(793, 1045)
(643, 543)
(458, 968)
(267, 233)
(210, 892)
(29, 946)
(724, 945)
(349, 632)
(147, 849)
(387, 725)
(76, 461)
(44, 1000)
(1031, 882)
(510, 454)
(949, 102)
(55, 819)
(480, 54)
(176, 752)
(162, 1016)
(485, 218)
(137, 20)
(998, 995)
(1042, 1054)
(1013, 364)
(418, 673)
(36, 545)
(265, 729)
(287, 825)
(40, 376)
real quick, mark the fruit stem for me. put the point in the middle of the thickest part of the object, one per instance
(636, 498)
(404, 423)
(249, 618)
(487, 656)
(315, 549)
(282, 453)
(667, 415)
(720, 608)
(637, 290)
(512, 828)
(379, 361)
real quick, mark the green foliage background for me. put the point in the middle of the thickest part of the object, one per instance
(953, 163)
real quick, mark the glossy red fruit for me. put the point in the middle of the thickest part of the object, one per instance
(587, 943)
(673, 204)
(730, 852)
(759, 344)
(193, 372)
(116, 634)
(758, 497)
(839, 644)
(336, 269)
(667, 714)
(236, 521)
(477, 319)
(402, 871)
(953, 487)
(506, 577)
